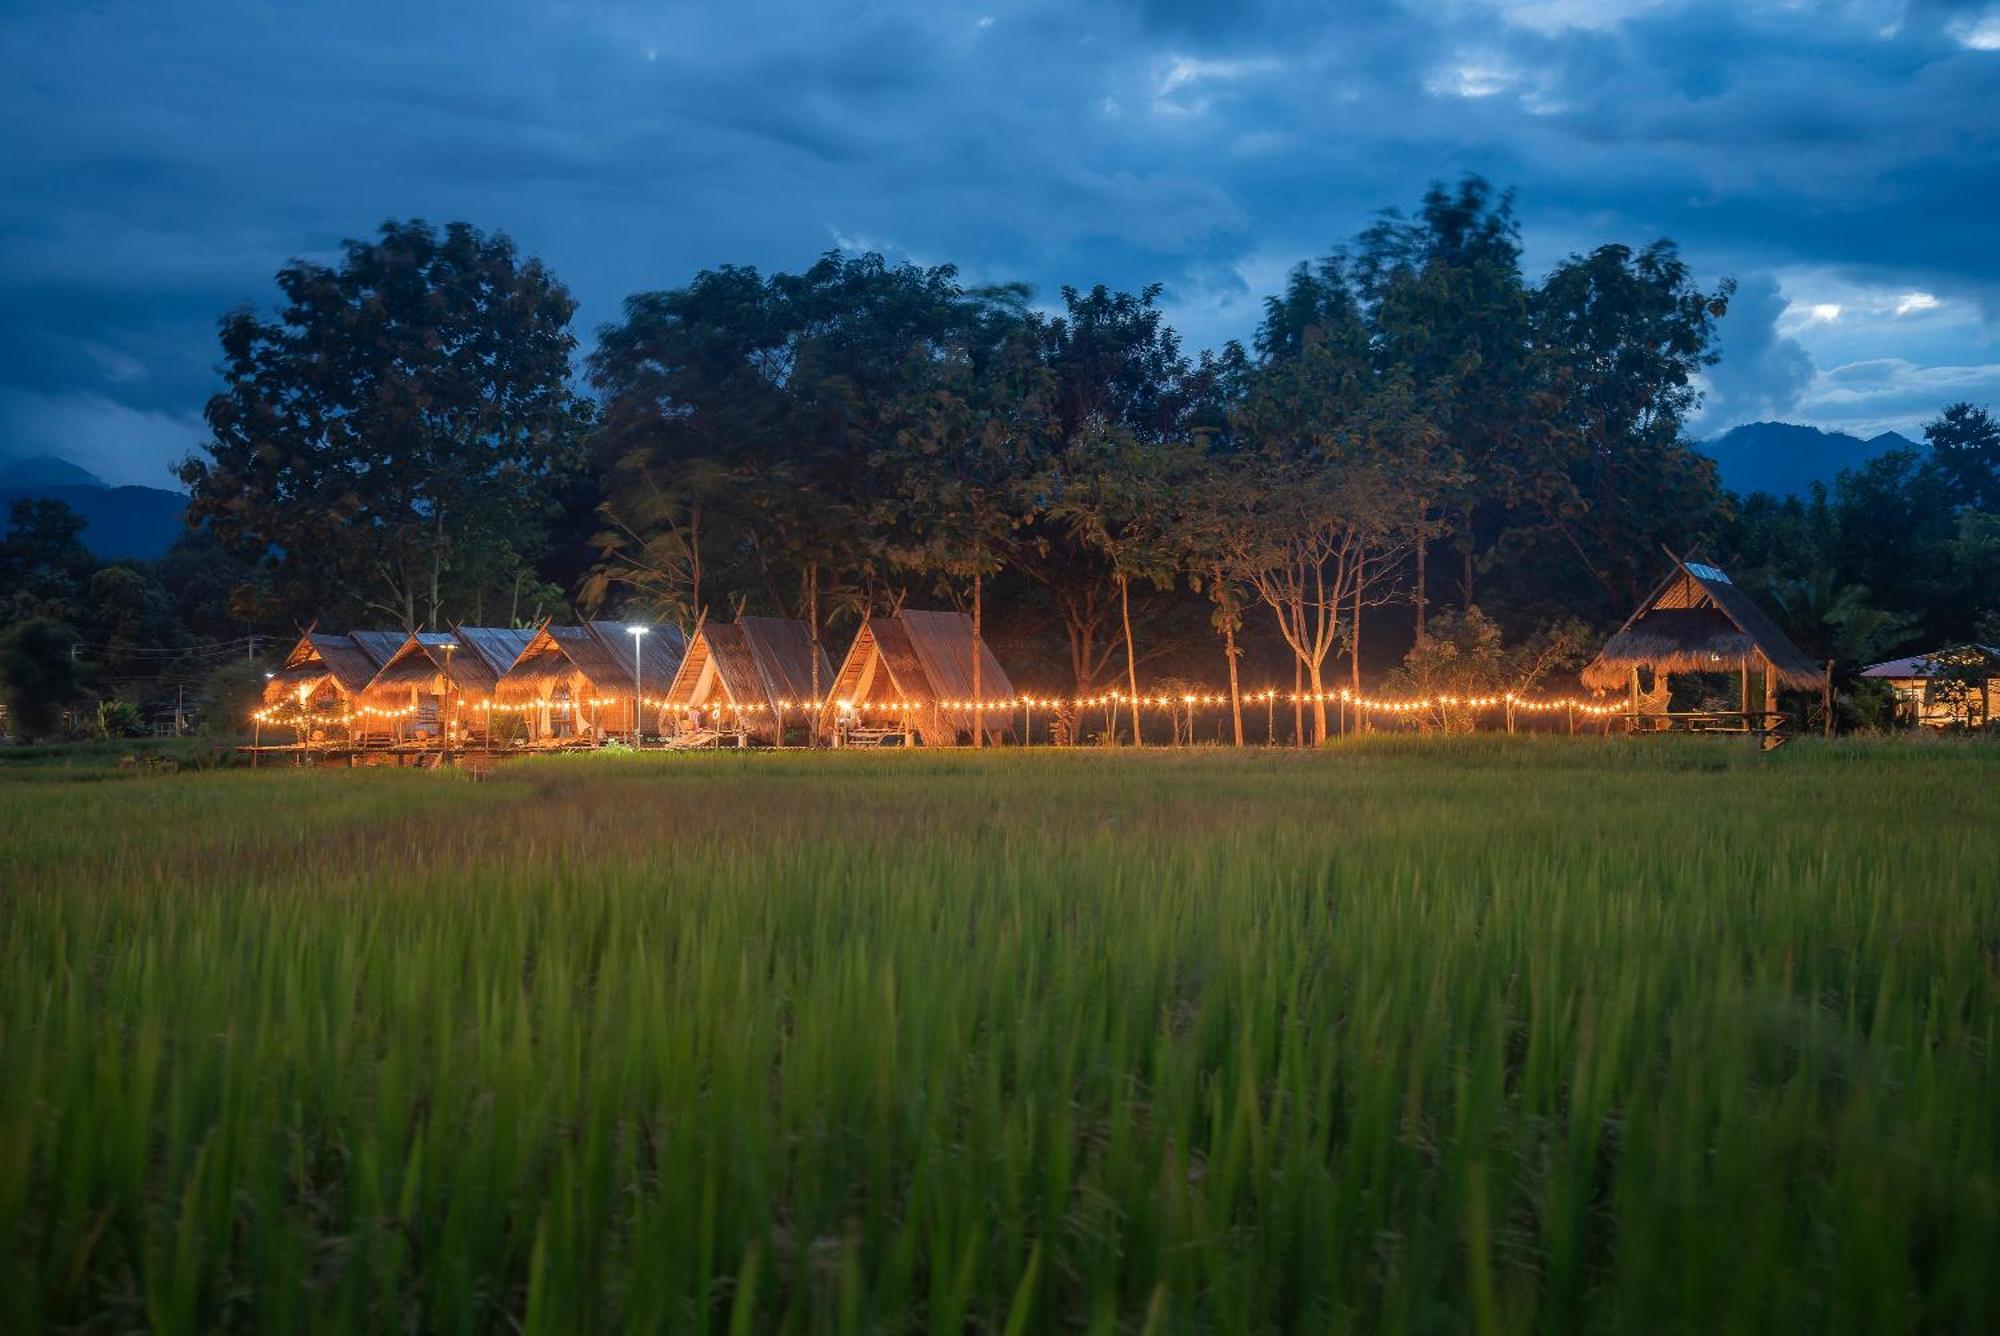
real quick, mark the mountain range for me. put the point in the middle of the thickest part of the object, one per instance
(119, 522)
(1785, 459)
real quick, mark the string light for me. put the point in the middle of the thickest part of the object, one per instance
(1182, 700)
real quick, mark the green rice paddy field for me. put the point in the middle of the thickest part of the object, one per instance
(1514, 1036)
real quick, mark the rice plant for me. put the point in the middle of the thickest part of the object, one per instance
(1505, 1036)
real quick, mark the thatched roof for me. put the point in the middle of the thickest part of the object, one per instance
(784, 650)
(319, 658)
(596, 658)
(417, 666)
(916, 661)
(757, 661)
(1696, 621)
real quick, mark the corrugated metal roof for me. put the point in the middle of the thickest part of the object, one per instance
(379, 646)
(497, 646)
(1921, 665)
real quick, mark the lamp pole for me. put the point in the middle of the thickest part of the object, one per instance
(638, 699)
(445, 722)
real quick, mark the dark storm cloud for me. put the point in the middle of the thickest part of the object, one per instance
(162, 162)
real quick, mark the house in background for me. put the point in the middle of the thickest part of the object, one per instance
(1944, 687)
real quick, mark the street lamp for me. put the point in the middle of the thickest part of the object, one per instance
(444, 722)
(638, 634)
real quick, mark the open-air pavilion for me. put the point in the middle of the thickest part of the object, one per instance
(323, 674)
(439, 676)
(909, 678)
(579, 683)
(1700, 621)
(744, 678)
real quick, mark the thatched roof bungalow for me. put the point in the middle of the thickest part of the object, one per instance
(1699, 621)
(328, 672)
(464, 664)
(1912, 680)
(750, 672)
(913, 671)
(576, 681)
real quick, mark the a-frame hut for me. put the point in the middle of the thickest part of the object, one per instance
(326, 674)
(436, 673)
(749, 674)
(1699, 621)
(405, 698)
(576, 681)
(913, 673)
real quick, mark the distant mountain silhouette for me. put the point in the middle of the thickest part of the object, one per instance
(46, 471)
(119, 522)
(1785, 459)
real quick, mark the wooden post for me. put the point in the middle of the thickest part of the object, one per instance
(1826, 700)
(1746, 691)
(1770, 693)
(1569, 713)
(1632, 724)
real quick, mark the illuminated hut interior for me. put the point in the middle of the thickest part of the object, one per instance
(326, 674)
(1699, 621)
(912, 673)
(748, 675)
(574, 682)
(405, 699)
(422, 682)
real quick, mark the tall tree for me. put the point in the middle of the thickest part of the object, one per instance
(1628, 331)
(37, 675)
(1324, 444)
(1446, 310)
(44, 565)
(399, 427)
(1119, 383)
(969, 439)
(749, 429)
(1965, 449)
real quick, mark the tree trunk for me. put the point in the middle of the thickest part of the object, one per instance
(1229, 652)
(1319, 706)
(1298, 699)
(978, 700)
(1465, 582)
(813, 715)
(1131, 655)
(1423, 593)
(1354, 659)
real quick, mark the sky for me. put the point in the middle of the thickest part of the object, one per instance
(161, 160)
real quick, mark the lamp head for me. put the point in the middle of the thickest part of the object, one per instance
(638, 630)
